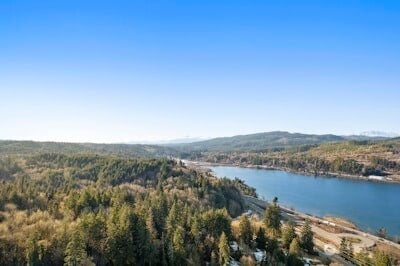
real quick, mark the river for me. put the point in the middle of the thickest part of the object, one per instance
(370, 205)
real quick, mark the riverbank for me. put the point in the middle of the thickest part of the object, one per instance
(328, 234)
(370, 205)
(380, 179)
(321, 197)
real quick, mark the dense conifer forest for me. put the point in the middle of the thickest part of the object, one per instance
(101, 209)
(72, 209)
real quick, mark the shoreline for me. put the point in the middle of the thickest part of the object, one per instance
(259, 205)
(205, 166)
(324, 175)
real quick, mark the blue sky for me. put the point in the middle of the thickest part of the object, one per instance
(112, 71)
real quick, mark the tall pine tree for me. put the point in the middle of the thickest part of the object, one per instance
(223, 250)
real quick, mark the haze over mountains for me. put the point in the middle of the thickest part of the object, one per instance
(376, 133)
(170, 141)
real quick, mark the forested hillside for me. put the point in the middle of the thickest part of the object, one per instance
(9, 147)
(355, 158)
(74, 209)
(258, 141)
(79, 208)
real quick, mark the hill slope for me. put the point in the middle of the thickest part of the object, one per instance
(259, 141)
(105, 210)
(11, 147)
(355, 158)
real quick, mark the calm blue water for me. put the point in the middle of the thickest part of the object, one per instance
(370, 205)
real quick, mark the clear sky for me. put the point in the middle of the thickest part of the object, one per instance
(113, 71)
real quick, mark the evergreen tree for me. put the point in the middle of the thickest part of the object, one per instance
(150, 225)
(75, 252)
(34, 251)
(160, 210)
(119, 242)
(272, 219)
(292, 260)
(93, 228)
(288, 234)
(294, 255)
(194, 258)
(178, 246)
(245, 232)
(223, 250)
(261, 239)
(272, 245)
(306, 237)
(174, 219)
(143, 249)
(294, 248)
(214, 222)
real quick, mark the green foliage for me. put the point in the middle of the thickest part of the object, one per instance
(90, 209)
(293, 260)
(272, 219)
(363, 258)
(151, 226)
(340, 165)
(245, 232)
(259, 141)
(382, 259)
(288, 234)
(128, 150)
(75, 252)
(34, 250)
(94, 229)
(178, 246)
(243, 188)
(306, 237)
(261, 238)
(294, 248)
(128, 240)
(223, 250)
(294, 253)
(384, 164)
(272, 245)
(215, 222)
(378, 157)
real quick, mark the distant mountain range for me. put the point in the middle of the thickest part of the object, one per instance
(13, 147)
(380, 134)
(260, 141)
(178, 147)
(275, 139)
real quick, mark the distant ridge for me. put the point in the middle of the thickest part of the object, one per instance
(14, 147)
(375, 133)
(251, 142)
(259, 141)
